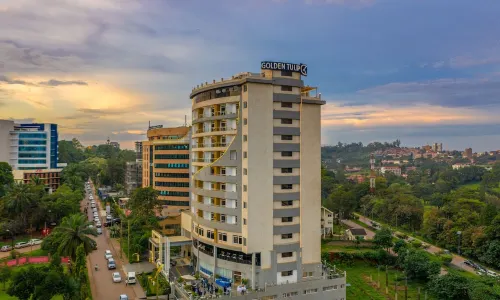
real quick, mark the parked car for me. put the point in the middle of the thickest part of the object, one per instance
(491, 273)
(131, 278)
(99, 230)
(109, 217)
(6, 248)
(107, 254)
(111, 264)
(21, 245)
(98, 224)
(117, 277)
(116, 220)
(35, 242)
(123, 297)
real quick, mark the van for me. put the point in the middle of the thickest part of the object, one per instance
(111, 264)
(130, 278)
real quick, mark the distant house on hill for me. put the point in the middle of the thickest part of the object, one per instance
(393, 169)
(459, 166)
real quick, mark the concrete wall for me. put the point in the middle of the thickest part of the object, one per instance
(310, 186)
(5, 127)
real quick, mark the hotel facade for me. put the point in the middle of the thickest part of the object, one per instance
(256, 182)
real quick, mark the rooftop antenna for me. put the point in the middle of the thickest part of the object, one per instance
(185, 121)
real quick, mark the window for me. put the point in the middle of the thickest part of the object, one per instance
(286, 236)
(172, 184)
(290, 294)
(286, 73)
(286, 186)
(286, 88)
(245, 171)
(307, 274)
(210, 234)
(286, 170)
(245, 88)
(287, 104)
(287, 273)
(286, 254)
(245, 121)
(245, 104)
(286, 138)
(237, 239)
(310, 291)
(233, 155)
(222, 237)
(287, 219)
(244, 205)
(286, 121)
(172, 166)
(244, 187)
(245, 138)
(172, 175)
(287, 153)
(329, 288)
(287, 203)
(171, 156)
(245, 155)
(223, 218)
(172, 147)
(244, 221)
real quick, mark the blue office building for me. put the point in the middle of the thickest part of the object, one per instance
(34, 146)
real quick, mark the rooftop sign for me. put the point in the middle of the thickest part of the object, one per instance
(281, 66)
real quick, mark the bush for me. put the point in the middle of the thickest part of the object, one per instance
(416, 244)
(401, 236)
(446, 259)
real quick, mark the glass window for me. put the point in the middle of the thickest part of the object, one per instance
(286, 153)
(245, 104)
(286, 73)
(286, 88)
(286, 121)
(287, 273)
(286, 170)
(287, 203)
(286, 254)
(286, 236)
(286, 104)
(286, 138)
(286, 186)
(287, 219)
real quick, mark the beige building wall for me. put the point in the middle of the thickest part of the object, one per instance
(259, 163)
(310, 183)
(5, 127)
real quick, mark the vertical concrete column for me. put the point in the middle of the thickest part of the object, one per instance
(253, 271)
(215, 261)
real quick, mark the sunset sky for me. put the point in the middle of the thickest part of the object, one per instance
(422, 71)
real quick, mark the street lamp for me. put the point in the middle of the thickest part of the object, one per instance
(459, 233)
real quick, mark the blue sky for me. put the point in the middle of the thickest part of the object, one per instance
(422, 71)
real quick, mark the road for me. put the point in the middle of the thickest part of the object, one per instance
(102, 283)
(457, 260)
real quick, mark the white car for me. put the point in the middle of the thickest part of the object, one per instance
(107, 254)
(117, 277)
(35, 242)
(99, 230)
(96, 214)
(98, 224)
(96, 219)
(109, 217)
(491, 273)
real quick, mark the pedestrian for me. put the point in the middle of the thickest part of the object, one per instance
(126, 282)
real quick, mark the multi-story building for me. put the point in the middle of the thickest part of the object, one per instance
(138, 151)
(165, 167)
(29, 146)
(256, 194)
(133, 176)
(468, 153)
(326, 222)
(51, 178)
(392, 169)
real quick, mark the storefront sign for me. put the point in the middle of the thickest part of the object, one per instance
(281, 66)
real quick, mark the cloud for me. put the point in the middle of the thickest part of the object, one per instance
(7, 80)
(448, 92)
(54, 82)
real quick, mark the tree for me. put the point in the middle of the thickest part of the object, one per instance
(417, 264)
(24, 282)
(80, 271)
(6, 177)
(20, 201)
(383, 238)
(449, 287)
(73, 232)
(5, 274)
(144, 202)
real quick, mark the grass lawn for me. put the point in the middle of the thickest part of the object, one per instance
(346, 246)
(361, 287)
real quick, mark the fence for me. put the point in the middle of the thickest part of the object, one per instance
(33, 260)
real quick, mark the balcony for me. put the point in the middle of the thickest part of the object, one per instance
(215, 129)
(204, 160)
(210, 145)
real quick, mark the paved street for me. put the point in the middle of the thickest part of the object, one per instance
(457, 261)
(102, 284)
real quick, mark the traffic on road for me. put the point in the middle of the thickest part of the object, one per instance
(106, 271)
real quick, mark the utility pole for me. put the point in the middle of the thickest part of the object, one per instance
(128, 242)
(121, 239)
(406, 287)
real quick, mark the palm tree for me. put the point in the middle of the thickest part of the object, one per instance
(73, 232)
(20, 200)
(36, 180)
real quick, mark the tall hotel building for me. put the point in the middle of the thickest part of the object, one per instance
(256, 181)
(165, 167)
